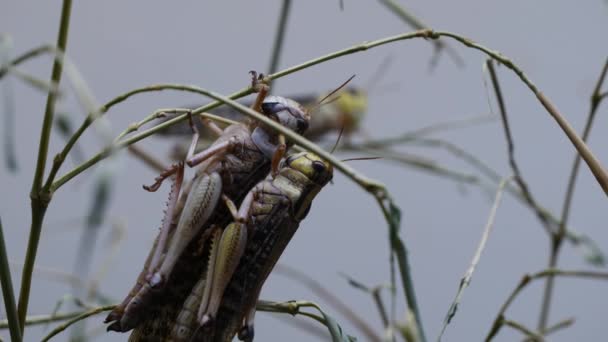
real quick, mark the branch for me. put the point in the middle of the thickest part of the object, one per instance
(39, 200)
(498, 321)
(466, 279)
(525, 189)
(7, 291)
(558, 237)
(279, 37)
(76, 319)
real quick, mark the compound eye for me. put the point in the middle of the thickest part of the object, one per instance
(318, 166)
(302, 125)
(270, 108)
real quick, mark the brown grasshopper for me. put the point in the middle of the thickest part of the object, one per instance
(239, 158)
(223, 301)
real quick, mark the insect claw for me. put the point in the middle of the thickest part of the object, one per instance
(114, 327)
(257, 82)
(246, 333)
(153, 187)
(163, 175)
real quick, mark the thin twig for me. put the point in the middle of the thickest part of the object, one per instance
(592, 162)
(417, 162)
(558, 326)
(530, 335)
(43, 319)
(26, 56)
(293, 308)
(558, 237)
(279, 37)
(525, 189)
(466, 279)
(526, 279)
(7, 290)
(38, 199)
(376, 293)
(417, 24)
(330, 298)
(147, 158)
(76, 319)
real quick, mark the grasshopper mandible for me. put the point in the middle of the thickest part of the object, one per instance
(223, 301)
(239, 158)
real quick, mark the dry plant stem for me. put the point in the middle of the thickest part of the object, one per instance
(594, 164)
(377, 296)
(526, 279)
(558, 237)
(525, 189)
(466, 279)
(558, 326)
(530, 335)
(40, 198)
(7, 290)
(76, 319)
(279, 37)
(331, 299)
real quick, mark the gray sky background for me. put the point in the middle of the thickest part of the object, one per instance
(120, 45)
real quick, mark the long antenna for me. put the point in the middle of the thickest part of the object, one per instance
(330, 94)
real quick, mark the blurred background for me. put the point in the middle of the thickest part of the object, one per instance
(118, 46)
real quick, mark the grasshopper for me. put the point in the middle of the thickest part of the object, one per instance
(223, 301)
(239, 158)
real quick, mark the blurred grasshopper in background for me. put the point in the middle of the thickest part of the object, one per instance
(223, 302)
(240, 157)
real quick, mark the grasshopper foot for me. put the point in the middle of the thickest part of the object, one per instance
(257, 82)
(158, 181)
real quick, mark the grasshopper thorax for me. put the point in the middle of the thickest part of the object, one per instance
(287, 112)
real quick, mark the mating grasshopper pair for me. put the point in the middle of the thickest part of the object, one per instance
(238, 159)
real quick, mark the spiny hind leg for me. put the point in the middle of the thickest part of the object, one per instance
(200, 204)
(153, 259)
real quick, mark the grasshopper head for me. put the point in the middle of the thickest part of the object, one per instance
(287, 112)
(312, 166)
